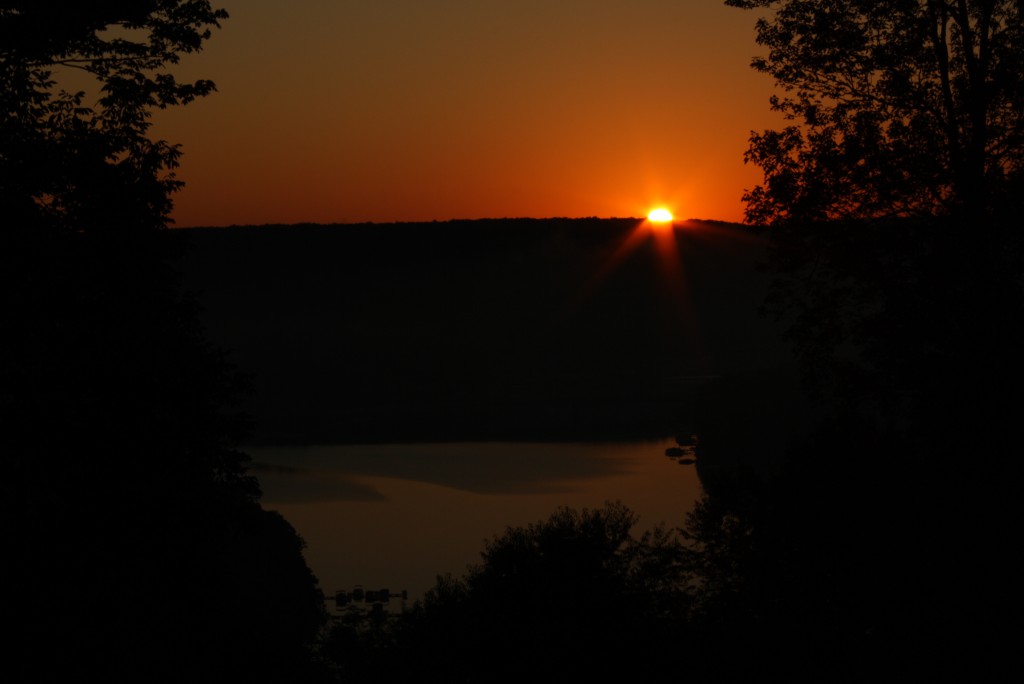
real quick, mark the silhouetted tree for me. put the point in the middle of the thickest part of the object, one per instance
(893, 195)
(891, 202)
(134, 543)
(82, 160)
(574, 596)
(912, 107)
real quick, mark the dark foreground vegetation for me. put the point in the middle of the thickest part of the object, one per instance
(858, 525)
(134, 544)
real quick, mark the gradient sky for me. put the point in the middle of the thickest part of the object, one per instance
(406, 110)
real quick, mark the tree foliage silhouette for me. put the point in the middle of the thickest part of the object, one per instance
(905, 108)
(891, 200)
(907, 132)
(125, 495)
(550, 601)
(91, 166)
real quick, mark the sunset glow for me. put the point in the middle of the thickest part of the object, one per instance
(468, 110)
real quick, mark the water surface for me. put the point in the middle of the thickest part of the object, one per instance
(397, 515)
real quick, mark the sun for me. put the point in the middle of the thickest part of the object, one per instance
(660, 215)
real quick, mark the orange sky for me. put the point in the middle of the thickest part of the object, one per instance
(404, 110)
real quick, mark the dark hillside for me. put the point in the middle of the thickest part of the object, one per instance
(495, 329)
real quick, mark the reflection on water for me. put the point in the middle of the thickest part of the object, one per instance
(396, 515)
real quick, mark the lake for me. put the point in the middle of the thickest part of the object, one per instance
(520, 334)
(397, 515)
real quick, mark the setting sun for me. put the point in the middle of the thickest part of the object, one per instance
(660, 216)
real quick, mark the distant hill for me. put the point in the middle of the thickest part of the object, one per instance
(488, 329)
